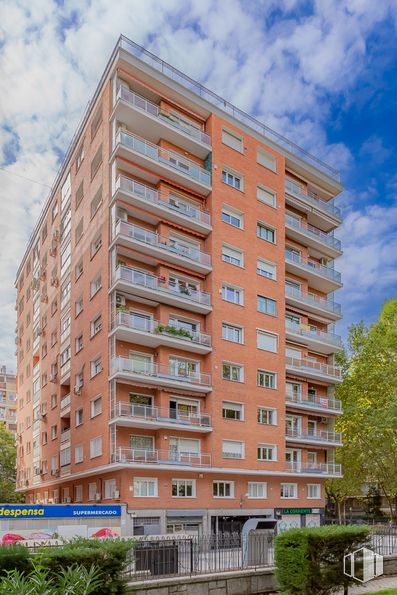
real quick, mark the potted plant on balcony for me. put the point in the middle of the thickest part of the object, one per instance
(173, 330)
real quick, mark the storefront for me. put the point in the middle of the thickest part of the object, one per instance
(294, 518)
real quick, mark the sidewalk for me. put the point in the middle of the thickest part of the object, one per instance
(380, 584)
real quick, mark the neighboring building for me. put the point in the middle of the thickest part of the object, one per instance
(8, 399)
(175, 313)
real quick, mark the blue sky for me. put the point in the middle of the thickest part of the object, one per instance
(322, 73)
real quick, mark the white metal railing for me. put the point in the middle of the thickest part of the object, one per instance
(167, 116)
(158, 241)
(163, 200)
(161, 457)
(164, 156)
(315, 267)
(160, 284)
(305, 364)
(154, 327)
(312, 299)
(157, 414)
(65, 402)
(320, 468)
(328, 206)
(317, 403)
(305, 331)
(65, 368)
(319, 436)
(313, 232)
(65, 436)
(161, 371)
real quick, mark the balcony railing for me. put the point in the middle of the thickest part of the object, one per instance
(161, 457)
(65, 402)
(161, 371)
(313, 232)
(157, 241)
(313, 300)
(315, 468)
(318, 403)
(164, 156)
(320, 436)
(305, 364)
(163, 200)
(156, 414)
(158, 112)
(65, 435)
(312, 266)
(160, 284)
(154, 327)
(305, 331)
(327, 206)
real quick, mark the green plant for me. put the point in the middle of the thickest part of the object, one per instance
(120, 308)
(173, 330)
(310, 561)
(14, 557)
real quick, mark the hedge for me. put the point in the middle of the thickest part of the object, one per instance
(14, 557)
(310, 561)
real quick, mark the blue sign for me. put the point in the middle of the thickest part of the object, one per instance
(48, 511)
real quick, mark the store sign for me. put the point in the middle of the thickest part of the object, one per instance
(297, 510)
(47, 511)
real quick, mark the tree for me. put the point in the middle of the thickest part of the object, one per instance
(373, 502)
(8, 455)
(369, 400)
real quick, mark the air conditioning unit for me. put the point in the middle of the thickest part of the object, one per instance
(122, 214)
(43, 276)
(120, 300)
(52, 251)
(97, 496)
(77, 389)
(324, 262)
(44, 298)
(39, 332)
(55, 235)
(54, 281)
(116, 494)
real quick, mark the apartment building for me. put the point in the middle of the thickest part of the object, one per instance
(176, 313)
(8, 398)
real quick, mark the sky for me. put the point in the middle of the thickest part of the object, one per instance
(323, 73)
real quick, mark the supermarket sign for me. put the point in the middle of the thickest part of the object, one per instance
(52, 511)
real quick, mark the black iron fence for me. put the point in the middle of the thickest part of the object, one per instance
(384, 540)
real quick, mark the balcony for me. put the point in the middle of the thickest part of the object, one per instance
(321, 213)
(316, 340)
(320, 438)
(65, 372)
(159, 290)
(328, 469)
(161, 375)
(312, 303)
(309, 235)
(162, 205)
(320, 405)
(158, 163)
(166, 458)
(313, 370)
(152, 333)
(153, 122)
(66, 470)
(65, 436)
(65, 406)
(320, 277)
(160, 248)
(141, 416)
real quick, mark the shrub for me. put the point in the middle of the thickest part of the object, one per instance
(14, 557)
(310, 561)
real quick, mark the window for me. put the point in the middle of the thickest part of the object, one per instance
(79, 343)
(145, 487)
(79, 231)
(288, 490)
(96, 406)
(96, 162)
(223, 489)
(267, 379)
(110, 488)
(91, 491)
(96, 121)
(79, 269)
(65, 293)
(232, 449)
(65, 191)
(96, 202)
(267, 452)
(266, 196)
(314, 490)
(233, 140)
(96, 325)
(96, 447)
(266, 305)
(232, 217)
(257, 489)
(96, 284)
(96, 366)
(79, 306)
(79, 194)
(79, 417)
(267, 417)
(233, 372)
(54, 214)
(64, 457)
(78, 493)
(232, 179)
(183, 488)
(65, 258)
(96, 245)
(79, 157)
(232, 333)
(266, 269)
(266, 159)
(232, 410)
(78, 454)
(266, 233)
(266, 341)
(232, 256)
(235, 295)
(54, 401)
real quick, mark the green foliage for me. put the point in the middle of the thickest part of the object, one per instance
(173, 330)
(310, 561)
(373, 502)
(14, 557)
(8, 457)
